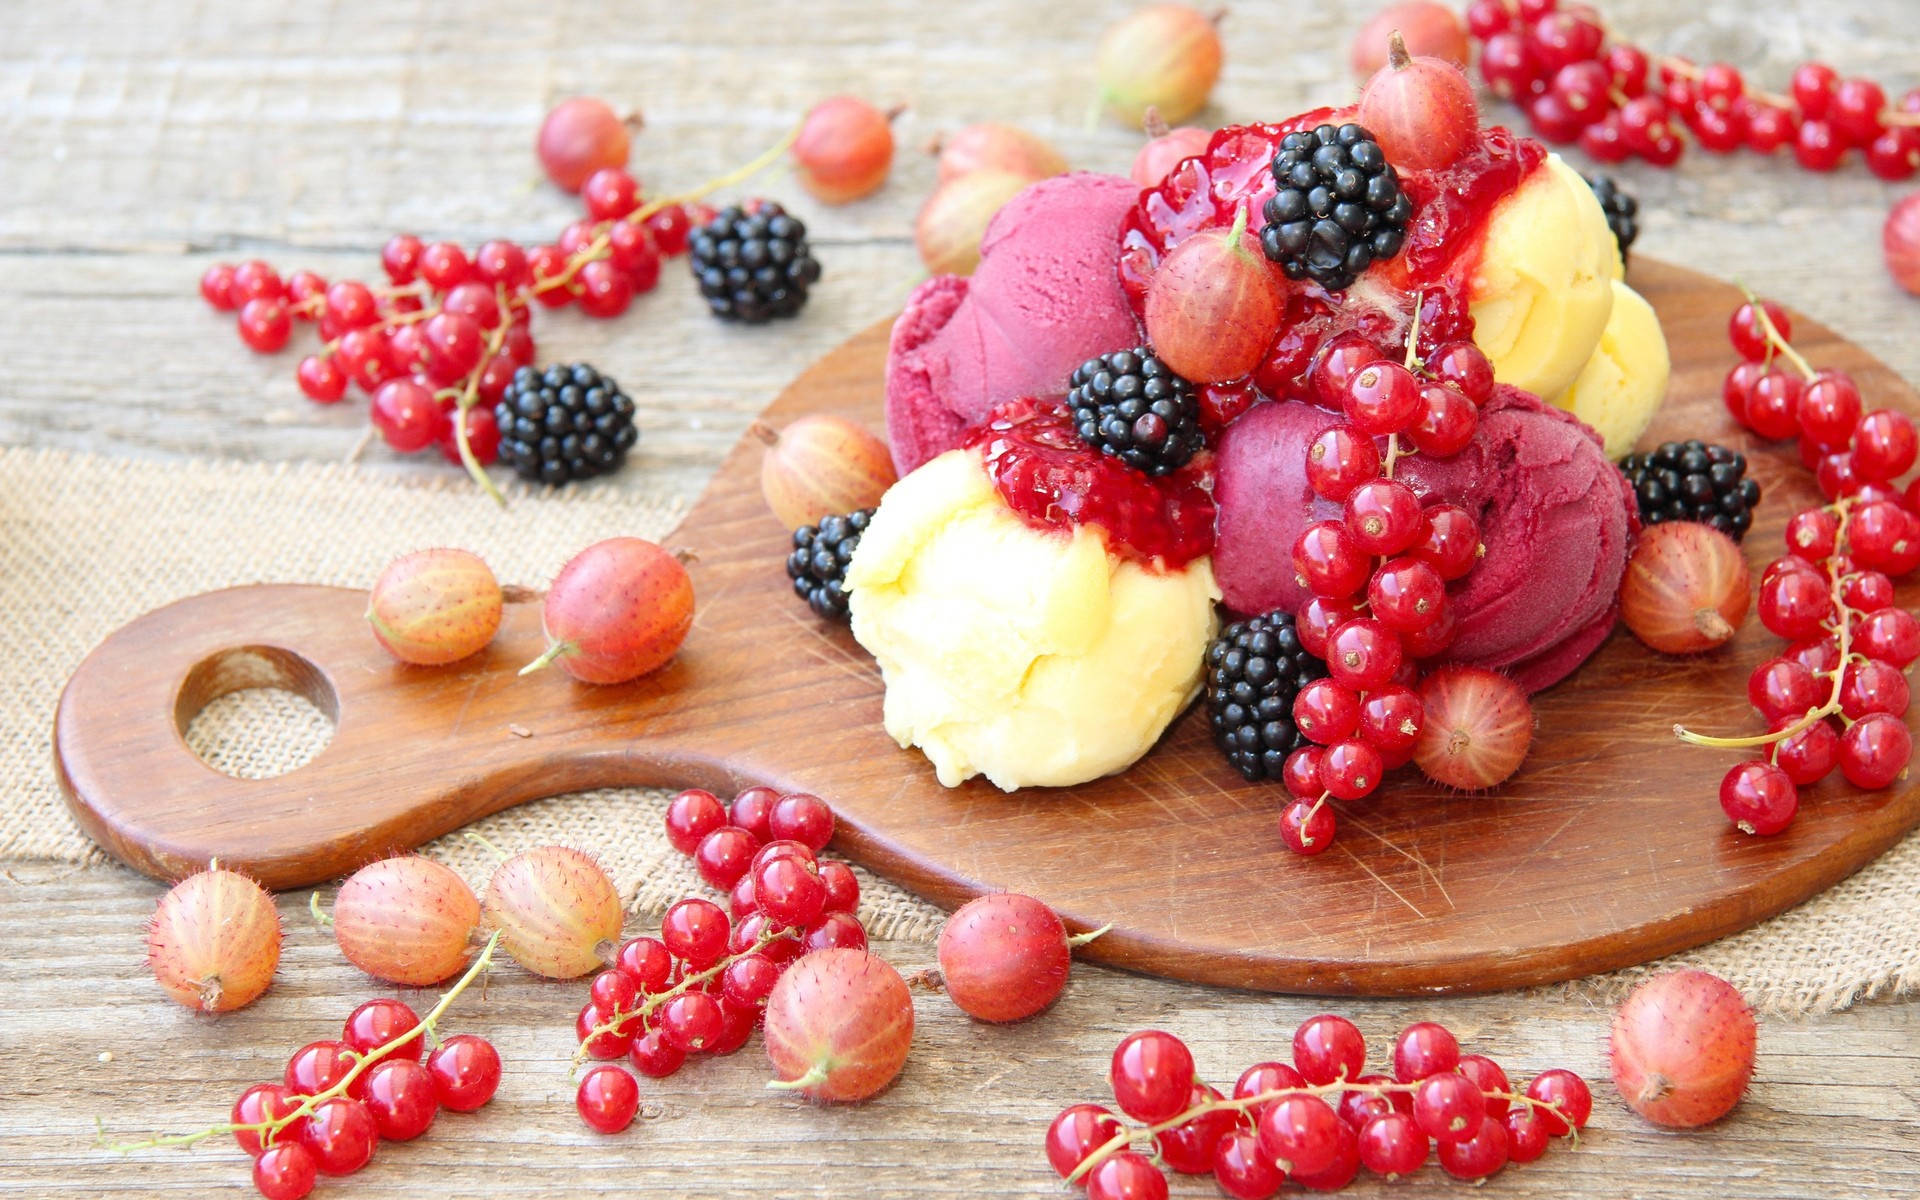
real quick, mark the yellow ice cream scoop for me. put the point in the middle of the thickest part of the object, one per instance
(1542, 292)
(1623, 383)
(1030, 656)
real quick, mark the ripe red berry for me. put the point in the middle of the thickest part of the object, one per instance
(1422, 1049)
(1808, 756)
(1568, 1098)
(261, 1102)
(608, 1099)
(1875, 750)
(1151, 1075)
(1307, 826)
(1745, 332)
(724, 855)
(1328, 1047)
(399, 1094)
(696, 930)
(1759, 798)
(1340, 460)
(1329, 560)
(466, 1072)
(610, 194)
(1449, 1107)
(285, 1171)
(378, 1022)
(340, 1134)
(1382, 398)
(1326, 711)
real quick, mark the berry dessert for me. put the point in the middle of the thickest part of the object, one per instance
(1039, 609)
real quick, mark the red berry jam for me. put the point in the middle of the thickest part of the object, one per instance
(1056, 481)
(1451, 206)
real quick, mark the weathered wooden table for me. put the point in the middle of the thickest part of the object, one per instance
(139, 142)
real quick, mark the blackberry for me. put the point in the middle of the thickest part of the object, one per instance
(564, 423)
(818, 564)
(1623, 211)
(1693, 481)
(1254, 670)
(1131, 406)
(1339, 208)
(753, 263)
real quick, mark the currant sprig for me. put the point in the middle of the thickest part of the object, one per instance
(622, 1025)
(268, 1129)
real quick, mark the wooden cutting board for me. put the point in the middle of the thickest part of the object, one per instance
(1607, 849)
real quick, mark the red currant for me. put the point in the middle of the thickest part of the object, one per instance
(444, 265)
(216, 288)
(1508, 66)
(1812, 88)
(1393, 1145)
(752, 810)
(1446, 423)
(318, 1066)
(1527, 1135)
(1448, 1107)
(1479, 1155)
(1768, 128)
(1567, 1096)
(340, 1134)
(655, 1057)
(843, 888)
(1076, 1133)
(1351, 769)
(1808, 756)
(607, 1043)
(1382, 398)
(378, 1022)
(691, 1021)
(1813, 534)
(401, 257)
(789, 892)
(1781, 687)
(1382, 517)
(1566, 37)
(647, 962)
(1327, 1048)
(466, 1072)
(1889, 635)
(1340, 359)
(1301, 773)
(1759, 798)
(724, 855)
(608, 1099)
(1829, 410)
(1188, 1147)
(670, 228)
(285, 1171)
(1329, 560)
(1873, 687)
(1749, 339)
(1326, 712)
(1363, 653)
(696, 930)
(1307, 826)
(1874, 750)
(1126, 1176)
(1857, 110)
(1241, 1170)
(1490, 1077)
(1151, 1075)
(1340, 460)
(691, 815)
(1301, 1134)
(836, 930)
(1794, 604)
(264, 325)
(321, 379)
(1451, 545)
(1884, 445)
(1422, 1049)
(261, 1102)
(399, 1095)
(1817, 146)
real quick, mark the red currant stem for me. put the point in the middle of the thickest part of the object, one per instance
(1774, 340)
(320, 916)
(1081, 939)
(1836, 583)
(1127, 1136)
(617, 1024)
(1905, 120)
(467, 397)
(268, 1128)
(1394, 454)
(1412, 362)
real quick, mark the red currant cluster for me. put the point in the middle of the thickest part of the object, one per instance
(1852, 453)
(339, 1098)
(1832, 594)
(1557, 63)
(1316, 1121)
(701, 986)
(1378, 575)
(436, 346)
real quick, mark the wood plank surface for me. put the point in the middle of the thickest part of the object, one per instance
(140, 142)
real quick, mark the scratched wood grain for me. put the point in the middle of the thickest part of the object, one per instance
(140, 142)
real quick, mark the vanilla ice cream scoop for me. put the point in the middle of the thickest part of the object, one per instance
(1032, 655)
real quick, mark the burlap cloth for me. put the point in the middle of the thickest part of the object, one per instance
(88, 543)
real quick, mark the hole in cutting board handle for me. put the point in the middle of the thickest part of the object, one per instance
(267, 731)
